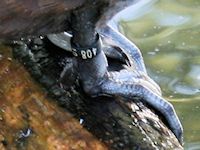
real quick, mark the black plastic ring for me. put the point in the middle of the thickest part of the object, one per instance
(87, 52)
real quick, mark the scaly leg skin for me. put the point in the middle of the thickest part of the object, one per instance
(128, 50)
(126, 83)
(129, 82)
(115, 46)
(114, 38)
(111, 38)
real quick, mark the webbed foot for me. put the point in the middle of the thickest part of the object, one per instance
(129, 83)
(132, 81)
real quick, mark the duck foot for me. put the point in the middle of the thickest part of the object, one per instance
(128, 82)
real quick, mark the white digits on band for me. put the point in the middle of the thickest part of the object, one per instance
(89, 53)
(94, 50)
(74, 52)
(85, 54)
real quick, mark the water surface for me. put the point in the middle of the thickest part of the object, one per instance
(168, 33)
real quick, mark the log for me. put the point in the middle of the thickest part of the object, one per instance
(52, 115)
(30, 120)
(27, 17)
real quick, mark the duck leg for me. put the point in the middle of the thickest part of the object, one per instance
(116, 39)
(129, 82)
(128, 50)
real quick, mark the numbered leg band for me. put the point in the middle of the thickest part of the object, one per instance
(87, 52)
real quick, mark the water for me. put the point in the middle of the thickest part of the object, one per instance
(168, 33)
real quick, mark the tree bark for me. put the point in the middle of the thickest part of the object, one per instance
(117, 123)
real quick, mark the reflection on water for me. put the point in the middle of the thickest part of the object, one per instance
(168, 32)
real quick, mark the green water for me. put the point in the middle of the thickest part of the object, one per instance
(168, 34)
